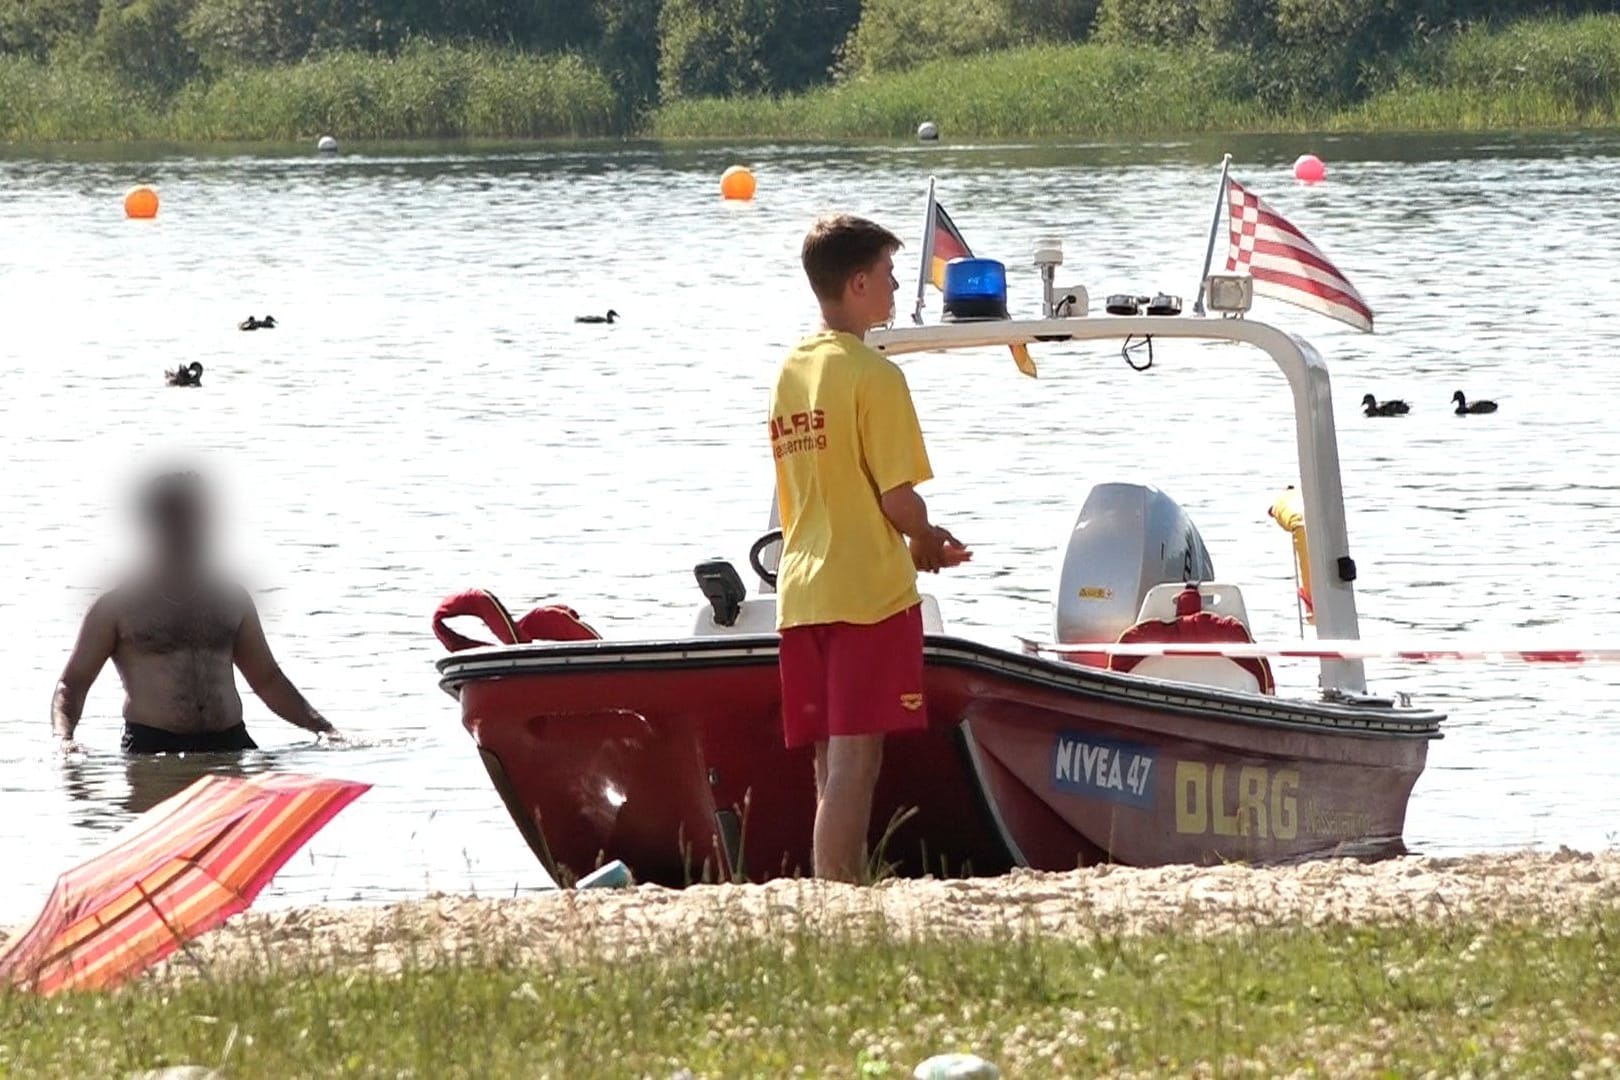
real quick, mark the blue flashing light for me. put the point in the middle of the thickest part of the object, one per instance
(975, 279)
(975, 289)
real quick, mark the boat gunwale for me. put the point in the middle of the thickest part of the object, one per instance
(1210, 703)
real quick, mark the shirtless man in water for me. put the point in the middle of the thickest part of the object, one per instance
(174, 633)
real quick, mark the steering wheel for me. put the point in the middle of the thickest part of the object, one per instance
(757, 550)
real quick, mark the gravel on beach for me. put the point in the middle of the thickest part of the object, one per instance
(1558, 887)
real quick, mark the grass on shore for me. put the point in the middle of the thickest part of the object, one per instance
(1547, 73)
(1462, 998)
(1049, 90)
(1542, 73)
(426, 92)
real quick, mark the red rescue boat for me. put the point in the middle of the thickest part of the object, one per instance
(668, 754)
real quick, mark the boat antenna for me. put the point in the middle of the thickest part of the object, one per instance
(1299, 605)
(927, 255)
(1214, 228)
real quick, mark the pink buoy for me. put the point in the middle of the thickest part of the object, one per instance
(1310, 169)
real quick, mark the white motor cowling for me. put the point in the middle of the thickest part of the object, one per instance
(1127, 539)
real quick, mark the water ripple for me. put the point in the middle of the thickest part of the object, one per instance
(428, 418)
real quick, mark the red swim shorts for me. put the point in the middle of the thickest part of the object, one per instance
(848, 679)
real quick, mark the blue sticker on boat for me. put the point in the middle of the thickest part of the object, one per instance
(1104, 769)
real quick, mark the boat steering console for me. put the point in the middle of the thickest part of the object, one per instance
(724, 589)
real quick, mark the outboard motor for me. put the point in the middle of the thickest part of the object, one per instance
(1127, 539)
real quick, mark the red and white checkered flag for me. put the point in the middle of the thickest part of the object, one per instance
(1285, 265)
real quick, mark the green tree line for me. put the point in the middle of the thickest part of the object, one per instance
(659, 51)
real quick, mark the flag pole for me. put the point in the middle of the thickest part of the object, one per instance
(1214, 229)
(927, 255)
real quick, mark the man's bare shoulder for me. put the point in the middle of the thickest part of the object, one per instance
(111, 604)
(107, 616)
(234, 597)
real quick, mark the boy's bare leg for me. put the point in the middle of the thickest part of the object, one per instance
(821, 800)
(844, 808)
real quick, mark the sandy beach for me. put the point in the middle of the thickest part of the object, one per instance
(1478, 965)
(1550, 887)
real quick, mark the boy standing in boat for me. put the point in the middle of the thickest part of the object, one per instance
(849, 453)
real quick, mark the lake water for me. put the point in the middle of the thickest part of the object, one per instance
(428, 417)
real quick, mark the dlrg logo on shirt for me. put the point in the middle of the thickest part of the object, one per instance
(791, 434)
(798, 423)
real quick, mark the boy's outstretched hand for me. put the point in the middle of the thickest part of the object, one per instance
(936, 550)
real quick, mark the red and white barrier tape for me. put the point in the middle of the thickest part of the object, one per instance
(1335, 650)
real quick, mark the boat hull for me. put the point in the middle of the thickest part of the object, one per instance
(669, 756)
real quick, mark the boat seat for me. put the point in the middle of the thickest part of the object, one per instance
(1191, 619)
(1159, 605)
(1202, 670)
(758, 616)
(753, 617)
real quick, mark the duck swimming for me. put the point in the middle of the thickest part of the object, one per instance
(1464, 408)
(185, 375)
(250, 323)
(1393, 407)
(596, 319)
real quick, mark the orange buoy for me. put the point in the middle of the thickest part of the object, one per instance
(141, 202)
(737, 183)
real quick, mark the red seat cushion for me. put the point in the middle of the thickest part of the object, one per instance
(555, 622)
(1194, 625)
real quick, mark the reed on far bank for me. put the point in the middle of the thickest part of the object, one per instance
(1547, 73)
(1540, 73)
(1543, 73)
(1091, 90)
(65, 103)
(425, 92)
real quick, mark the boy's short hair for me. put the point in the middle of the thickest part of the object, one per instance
(838, 247)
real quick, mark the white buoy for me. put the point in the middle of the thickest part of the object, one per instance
(928, 131)
(956, 1067)
(326, 144)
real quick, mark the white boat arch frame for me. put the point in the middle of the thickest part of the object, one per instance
(1332, 570)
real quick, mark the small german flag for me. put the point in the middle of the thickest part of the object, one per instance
(946, 243)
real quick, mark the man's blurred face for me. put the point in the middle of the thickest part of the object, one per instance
(177, 521)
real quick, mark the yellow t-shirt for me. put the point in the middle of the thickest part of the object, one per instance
(843, 432)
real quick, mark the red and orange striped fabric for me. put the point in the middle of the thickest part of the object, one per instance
(178, 871)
